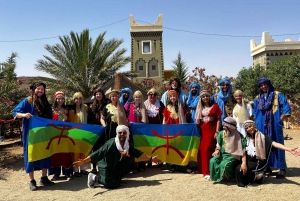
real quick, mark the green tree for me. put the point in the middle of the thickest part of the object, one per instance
(284, 75)
(10, 93)
(246, 80)
(180, 69)
(79, 65)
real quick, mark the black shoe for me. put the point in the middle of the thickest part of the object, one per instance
(149, 163)
(32, 185)
(281, 174)
(46, 182)
(161, 165)
(268, 170)
(261, 180)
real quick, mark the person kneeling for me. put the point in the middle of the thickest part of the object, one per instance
(114, 160)
(257, 154)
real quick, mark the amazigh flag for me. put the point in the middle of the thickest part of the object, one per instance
(48, 137)
(173, 143)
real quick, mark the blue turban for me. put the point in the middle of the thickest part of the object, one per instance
(224, 80)
(195, 84)
(121, 99)
(126, 90)
(268, 82)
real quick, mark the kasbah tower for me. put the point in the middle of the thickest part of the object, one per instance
(147, 49)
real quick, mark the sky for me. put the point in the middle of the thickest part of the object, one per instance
(27, 26)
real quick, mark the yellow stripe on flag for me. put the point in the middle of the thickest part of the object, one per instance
(38, 151)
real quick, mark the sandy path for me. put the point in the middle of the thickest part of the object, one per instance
(154, 184)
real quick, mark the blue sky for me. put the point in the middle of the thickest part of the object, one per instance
(35, 19)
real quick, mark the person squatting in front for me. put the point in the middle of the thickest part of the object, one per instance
(258, 149)
(114, 160)
(229, 150)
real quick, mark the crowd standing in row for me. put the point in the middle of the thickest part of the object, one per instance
(230, 146)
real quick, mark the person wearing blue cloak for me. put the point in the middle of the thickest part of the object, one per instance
(270, 109)
(38, 105)
(192, 101)
(175, 84)
(224, 98)
(126, 96)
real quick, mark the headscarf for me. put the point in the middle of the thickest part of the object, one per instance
(192, 98)
(123, 150)
(142, 106)
(222, 98)
(259, 140)
(56, 95)
(122, 91)
(147, 102)
(59, 94)
(234, 144)
(240, 111)
(265, 105)
(83, 116)
(199, 105)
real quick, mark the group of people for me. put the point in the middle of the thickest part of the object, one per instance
(236, 137)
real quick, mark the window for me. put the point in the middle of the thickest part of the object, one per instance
(140, 67)
(146, 47)
(153, 67)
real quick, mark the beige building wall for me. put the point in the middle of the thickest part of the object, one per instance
(147, 49)
(269, 50)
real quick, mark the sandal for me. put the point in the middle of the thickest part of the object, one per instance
(77, 174)
(189, 171)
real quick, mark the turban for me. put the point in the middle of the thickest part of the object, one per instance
(153, 90)
(194, 84)
(230, 123)
(124, 150)
(224, 80)
(59, 94)
(126, 90)
(77, 95)
(237, 93)
(137, 94)
(249, 123)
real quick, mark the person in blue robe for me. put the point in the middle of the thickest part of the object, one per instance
(224, 98)
(270, 109)
(126, 96)
(36, 104)
(192, 101)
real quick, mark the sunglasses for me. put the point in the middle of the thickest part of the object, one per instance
(124, 133)
(152, 94)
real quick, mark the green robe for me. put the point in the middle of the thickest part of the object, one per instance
(224, 164)
(111, 168)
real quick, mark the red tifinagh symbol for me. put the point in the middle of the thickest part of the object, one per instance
(167, 145)
(61, 134)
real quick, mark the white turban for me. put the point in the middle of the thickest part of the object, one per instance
(124, 150)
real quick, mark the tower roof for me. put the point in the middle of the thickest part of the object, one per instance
(135, 27)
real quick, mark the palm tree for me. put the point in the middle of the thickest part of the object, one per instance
(79, 65)
(180, 69)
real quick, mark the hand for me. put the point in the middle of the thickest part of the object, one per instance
(78, 163)
(243, 168)
(216, 135)
(27, 115)
(282, 117)
(198, 122)
(294, 151)
(156, 160)
(216, 153)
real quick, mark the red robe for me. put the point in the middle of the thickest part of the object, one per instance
(207, 145)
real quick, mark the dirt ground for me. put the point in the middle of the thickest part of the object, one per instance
(153, 184)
